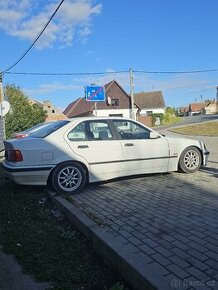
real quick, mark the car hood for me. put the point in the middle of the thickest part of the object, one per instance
(184, 142)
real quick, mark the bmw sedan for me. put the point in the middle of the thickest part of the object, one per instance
(70, 153)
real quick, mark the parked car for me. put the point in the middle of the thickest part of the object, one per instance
(69, 153)
(29, 131)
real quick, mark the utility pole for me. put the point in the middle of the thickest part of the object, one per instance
(2, 121)
(1, 89)
(132, 94)
(95, 109)
(217, 99)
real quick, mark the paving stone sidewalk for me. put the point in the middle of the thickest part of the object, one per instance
(169, 220)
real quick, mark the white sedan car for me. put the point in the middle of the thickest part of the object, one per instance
(69, 153)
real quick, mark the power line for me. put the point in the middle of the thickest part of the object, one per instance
(36, 39)
(176, 72)
(114, 72)
(66, 74)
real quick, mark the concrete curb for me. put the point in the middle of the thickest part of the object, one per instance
(132, 267)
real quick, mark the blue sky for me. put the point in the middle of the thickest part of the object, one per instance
(89, 36)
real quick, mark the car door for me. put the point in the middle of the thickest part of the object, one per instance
(142, 154)
(94, 141)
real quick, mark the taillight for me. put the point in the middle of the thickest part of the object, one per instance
(19, 136)
(14, 156)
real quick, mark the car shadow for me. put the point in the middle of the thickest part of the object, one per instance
(211, 170)
(124, 179)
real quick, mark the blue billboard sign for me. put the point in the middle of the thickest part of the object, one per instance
(95, 94)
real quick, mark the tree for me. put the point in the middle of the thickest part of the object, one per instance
(22, 115)
(170, 110)
(170, 116)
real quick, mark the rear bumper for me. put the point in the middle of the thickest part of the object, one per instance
(27, 175)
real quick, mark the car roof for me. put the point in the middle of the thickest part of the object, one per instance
(98, 118)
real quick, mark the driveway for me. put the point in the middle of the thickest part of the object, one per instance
(168, 221)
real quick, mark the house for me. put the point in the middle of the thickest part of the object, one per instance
(211, 108)
(197, 108)
(183, 111)
(150, 103)
(53, 113)
(117, 103)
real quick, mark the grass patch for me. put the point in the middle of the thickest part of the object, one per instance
(202, 129)
(51, 250)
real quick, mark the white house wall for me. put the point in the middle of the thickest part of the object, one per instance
(106, 113)
(154, 111)
(211, 109)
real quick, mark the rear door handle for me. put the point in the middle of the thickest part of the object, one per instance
(129, 144)
(83, 146)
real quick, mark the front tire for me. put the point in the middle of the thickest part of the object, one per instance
(190, 160)
(68, 178)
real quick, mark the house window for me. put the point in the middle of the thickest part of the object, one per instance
(53, 111)
(149, 113)
(115, 115)
(114, 102)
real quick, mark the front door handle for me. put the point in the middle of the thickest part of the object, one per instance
(83, 146)
(128, 144)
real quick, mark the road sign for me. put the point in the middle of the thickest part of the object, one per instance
(95, 94)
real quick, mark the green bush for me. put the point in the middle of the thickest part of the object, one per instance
(155, 117)
(170, 118)
(22, 114)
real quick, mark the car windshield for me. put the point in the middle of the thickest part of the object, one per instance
(48, 129)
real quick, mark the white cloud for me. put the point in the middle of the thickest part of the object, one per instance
(45, 89)
(25, 19)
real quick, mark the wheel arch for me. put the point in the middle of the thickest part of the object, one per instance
(74, 161)
(200, 150)
(190, 146)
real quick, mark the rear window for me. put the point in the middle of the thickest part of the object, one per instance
(48, 129)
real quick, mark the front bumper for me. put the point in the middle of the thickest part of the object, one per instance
(205, 154)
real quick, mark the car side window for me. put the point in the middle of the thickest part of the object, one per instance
(100, 130)
(90, 131)
(129, 130)
(78, 133)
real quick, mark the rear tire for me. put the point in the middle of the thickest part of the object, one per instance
(190, 160)
(68, 178)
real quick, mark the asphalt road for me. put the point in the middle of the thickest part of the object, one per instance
(190, 120)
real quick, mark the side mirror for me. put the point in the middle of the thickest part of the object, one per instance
(154, 135)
